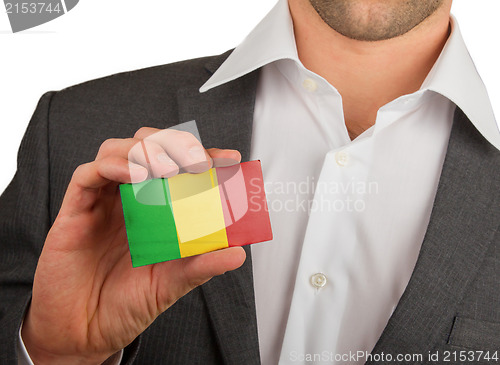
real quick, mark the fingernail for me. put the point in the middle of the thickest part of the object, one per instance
(197, 154)
(138, 173)
(223, 162)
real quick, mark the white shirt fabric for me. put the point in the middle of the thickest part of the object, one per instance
(348, 217)
(351, 213)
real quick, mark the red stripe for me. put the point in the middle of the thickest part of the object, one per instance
(244, 203)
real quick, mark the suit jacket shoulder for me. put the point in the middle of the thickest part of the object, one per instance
(66, 130)
(79, 118)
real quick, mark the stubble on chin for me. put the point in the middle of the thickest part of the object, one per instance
(368, 20)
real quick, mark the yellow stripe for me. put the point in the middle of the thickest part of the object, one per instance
(198, 215)
(212, 177)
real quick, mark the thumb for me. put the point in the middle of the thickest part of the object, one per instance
(203, 267)
(196, 270)
(221, 158)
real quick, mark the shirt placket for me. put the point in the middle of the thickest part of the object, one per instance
(330, 239)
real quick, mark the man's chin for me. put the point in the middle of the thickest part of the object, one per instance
(371, 21)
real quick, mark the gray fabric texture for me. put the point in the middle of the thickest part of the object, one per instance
(451, 301)
(457, 273)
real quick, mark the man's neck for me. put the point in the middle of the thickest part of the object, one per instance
(368, 75)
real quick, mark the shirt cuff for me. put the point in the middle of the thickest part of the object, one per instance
(24, 358)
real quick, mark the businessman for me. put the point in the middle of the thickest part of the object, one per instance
(399, 256)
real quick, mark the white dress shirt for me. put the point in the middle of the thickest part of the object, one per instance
(348, 217)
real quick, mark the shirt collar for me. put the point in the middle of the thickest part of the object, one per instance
(453, 75)
(271, 40)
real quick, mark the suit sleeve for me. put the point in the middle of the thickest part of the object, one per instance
(24, 223)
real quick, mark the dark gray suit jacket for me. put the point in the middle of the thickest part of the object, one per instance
(451, 303)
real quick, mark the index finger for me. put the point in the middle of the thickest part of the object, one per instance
(182, 147)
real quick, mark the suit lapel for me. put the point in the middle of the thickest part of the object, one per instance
(224, 117)
(464, 219)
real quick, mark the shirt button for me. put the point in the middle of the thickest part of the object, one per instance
(342, 158)
(310, 85)
(318, 280)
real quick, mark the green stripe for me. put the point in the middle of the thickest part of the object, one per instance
(149, 221)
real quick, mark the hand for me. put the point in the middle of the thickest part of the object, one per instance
(88, 302)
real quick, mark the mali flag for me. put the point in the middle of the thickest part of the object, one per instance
(191, 214)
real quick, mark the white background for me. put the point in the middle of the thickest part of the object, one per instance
(101, 37)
